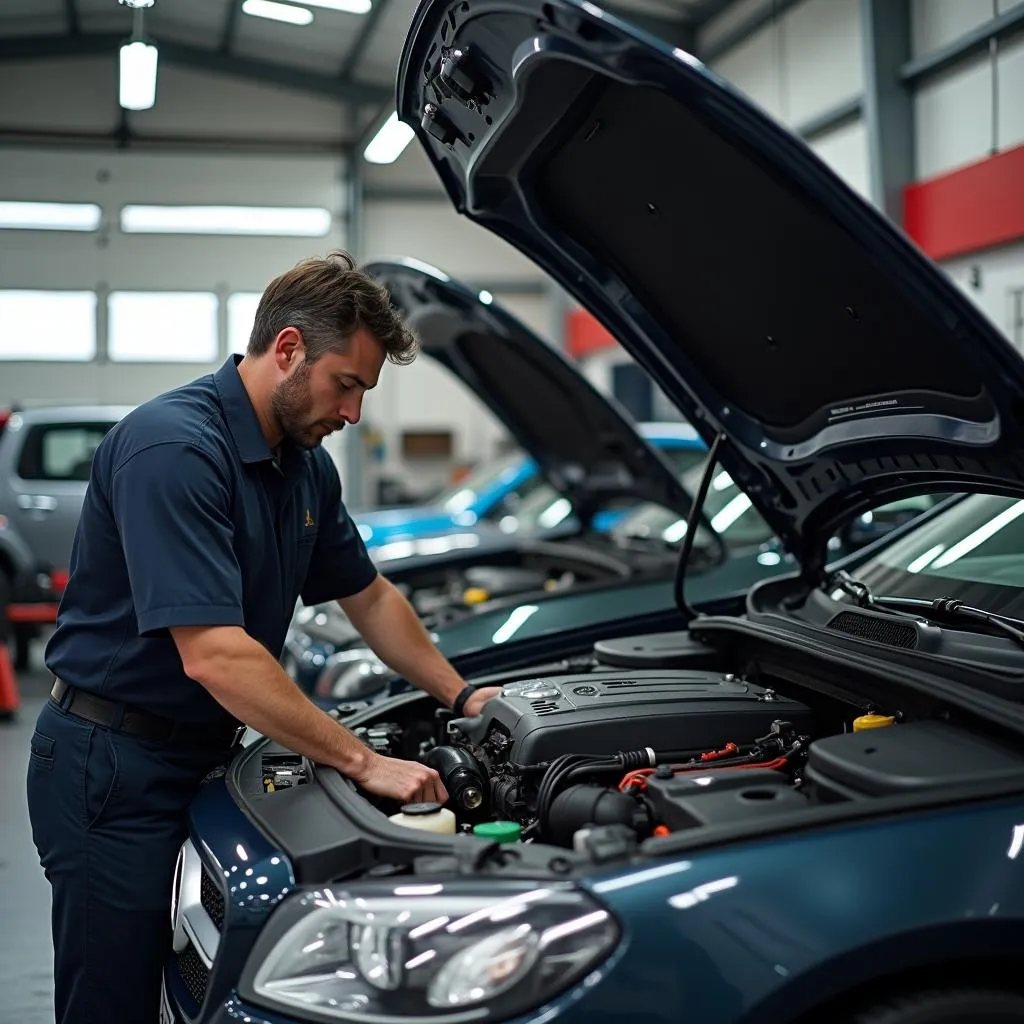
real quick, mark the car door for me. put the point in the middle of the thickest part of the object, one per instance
(48, 484)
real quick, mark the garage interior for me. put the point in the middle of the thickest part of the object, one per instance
(142, 213)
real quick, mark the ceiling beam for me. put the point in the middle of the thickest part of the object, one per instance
(71, 13)
(833, 118)
(359, 45)
(43, 47)
(124, 136)
(1000, 28)
(227, 34)
(888, 102)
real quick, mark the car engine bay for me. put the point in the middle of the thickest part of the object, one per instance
(647, 739)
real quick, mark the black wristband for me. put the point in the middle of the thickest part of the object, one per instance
(459, 704)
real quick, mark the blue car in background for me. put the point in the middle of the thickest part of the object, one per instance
(495, 489)
(801, 804)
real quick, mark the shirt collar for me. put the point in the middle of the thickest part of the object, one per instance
(238, 412)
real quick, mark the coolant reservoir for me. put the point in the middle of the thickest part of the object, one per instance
(426, 817)
(872, 722)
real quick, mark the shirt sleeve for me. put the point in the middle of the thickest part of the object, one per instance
(340, 565)
(172, 505)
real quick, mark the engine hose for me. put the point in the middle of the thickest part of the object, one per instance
(683, 756)
(630, 759)
(568, 765)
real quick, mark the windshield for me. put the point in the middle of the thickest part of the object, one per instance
(727, 508)
(485, 477)
(544, 508)
(973, 551)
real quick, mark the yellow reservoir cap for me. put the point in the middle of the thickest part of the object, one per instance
(476, 595)
(872, 722)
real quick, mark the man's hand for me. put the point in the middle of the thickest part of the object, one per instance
(475, 704)
(394, 632)
(405, 781)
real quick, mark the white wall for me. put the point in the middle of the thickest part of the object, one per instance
(430, 230)
(246, 144)
(1000, 273)
(112, 260)
(974, 109)
(798, 67)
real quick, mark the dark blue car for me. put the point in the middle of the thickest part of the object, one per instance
(806, 804)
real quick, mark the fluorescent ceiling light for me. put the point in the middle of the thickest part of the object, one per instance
(50, 216)
(138, 75)
(389, 142)
(226, 220)
(277, 12)
(345, 6)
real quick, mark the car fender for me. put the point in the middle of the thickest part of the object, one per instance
(774, 928)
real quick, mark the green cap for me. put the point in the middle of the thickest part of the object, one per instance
(499, 831)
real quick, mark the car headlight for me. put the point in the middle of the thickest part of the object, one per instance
(430, 952)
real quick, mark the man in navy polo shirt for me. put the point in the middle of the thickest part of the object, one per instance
(210, 510)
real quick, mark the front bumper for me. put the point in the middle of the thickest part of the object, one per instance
(36, 597)
(228, 881)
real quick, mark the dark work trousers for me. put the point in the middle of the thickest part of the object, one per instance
(108, 819)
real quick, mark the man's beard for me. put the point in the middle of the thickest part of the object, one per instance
(291, 402)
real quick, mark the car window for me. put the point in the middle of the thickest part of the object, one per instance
(973, 551)
(483, 478)
(729, 511)
(60, 451)
(684, 459)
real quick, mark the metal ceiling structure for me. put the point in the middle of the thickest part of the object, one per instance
(343, 57)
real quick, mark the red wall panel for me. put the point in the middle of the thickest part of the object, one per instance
(973, 208)
(583, 334)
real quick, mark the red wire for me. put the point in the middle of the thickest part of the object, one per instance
(638, 777)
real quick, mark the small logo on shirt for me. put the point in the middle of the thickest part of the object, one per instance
(309, 519)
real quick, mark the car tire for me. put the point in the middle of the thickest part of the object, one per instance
(6, 628)
(22, 650)
(6, 595)
(947, 1006)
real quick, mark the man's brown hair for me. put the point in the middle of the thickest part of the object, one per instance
(328, 298)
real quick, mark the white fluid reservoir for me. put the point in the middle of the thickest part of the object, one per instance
(427, 817)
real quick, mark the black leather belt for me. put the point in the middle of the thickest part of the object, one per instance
(133, 722)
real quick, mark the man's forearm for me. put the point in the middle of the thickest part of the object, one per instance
(245, 679)
(393, 631)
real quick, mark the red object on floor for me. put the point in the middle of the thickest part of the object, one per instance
(970, 209)
(10, 697)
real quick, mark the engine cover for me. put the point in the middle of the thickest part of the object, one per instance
(604, 712)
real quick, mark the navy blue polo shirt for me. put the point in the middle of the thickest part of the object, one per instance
(189, 520)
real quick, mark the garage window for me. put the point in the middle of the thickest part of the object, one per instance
(241, 314)
(62, 451)
(47, 326)
(162, 327)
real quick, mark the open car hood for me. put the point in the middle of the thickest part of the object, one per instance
(768, 300)
(582, 444)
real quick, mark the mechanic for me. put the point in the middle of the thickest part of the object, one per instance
(210, 509)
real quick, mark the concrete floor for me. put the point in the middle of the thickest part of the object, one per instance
(26, 956)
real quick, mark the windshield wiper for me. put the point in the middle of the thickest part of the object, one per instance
(937, 608)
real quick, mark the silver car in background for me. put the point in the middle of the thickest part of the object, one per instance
(45, 459)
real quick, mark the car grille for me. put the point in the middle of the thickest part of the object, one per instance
(212, 899)
(194, 973)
